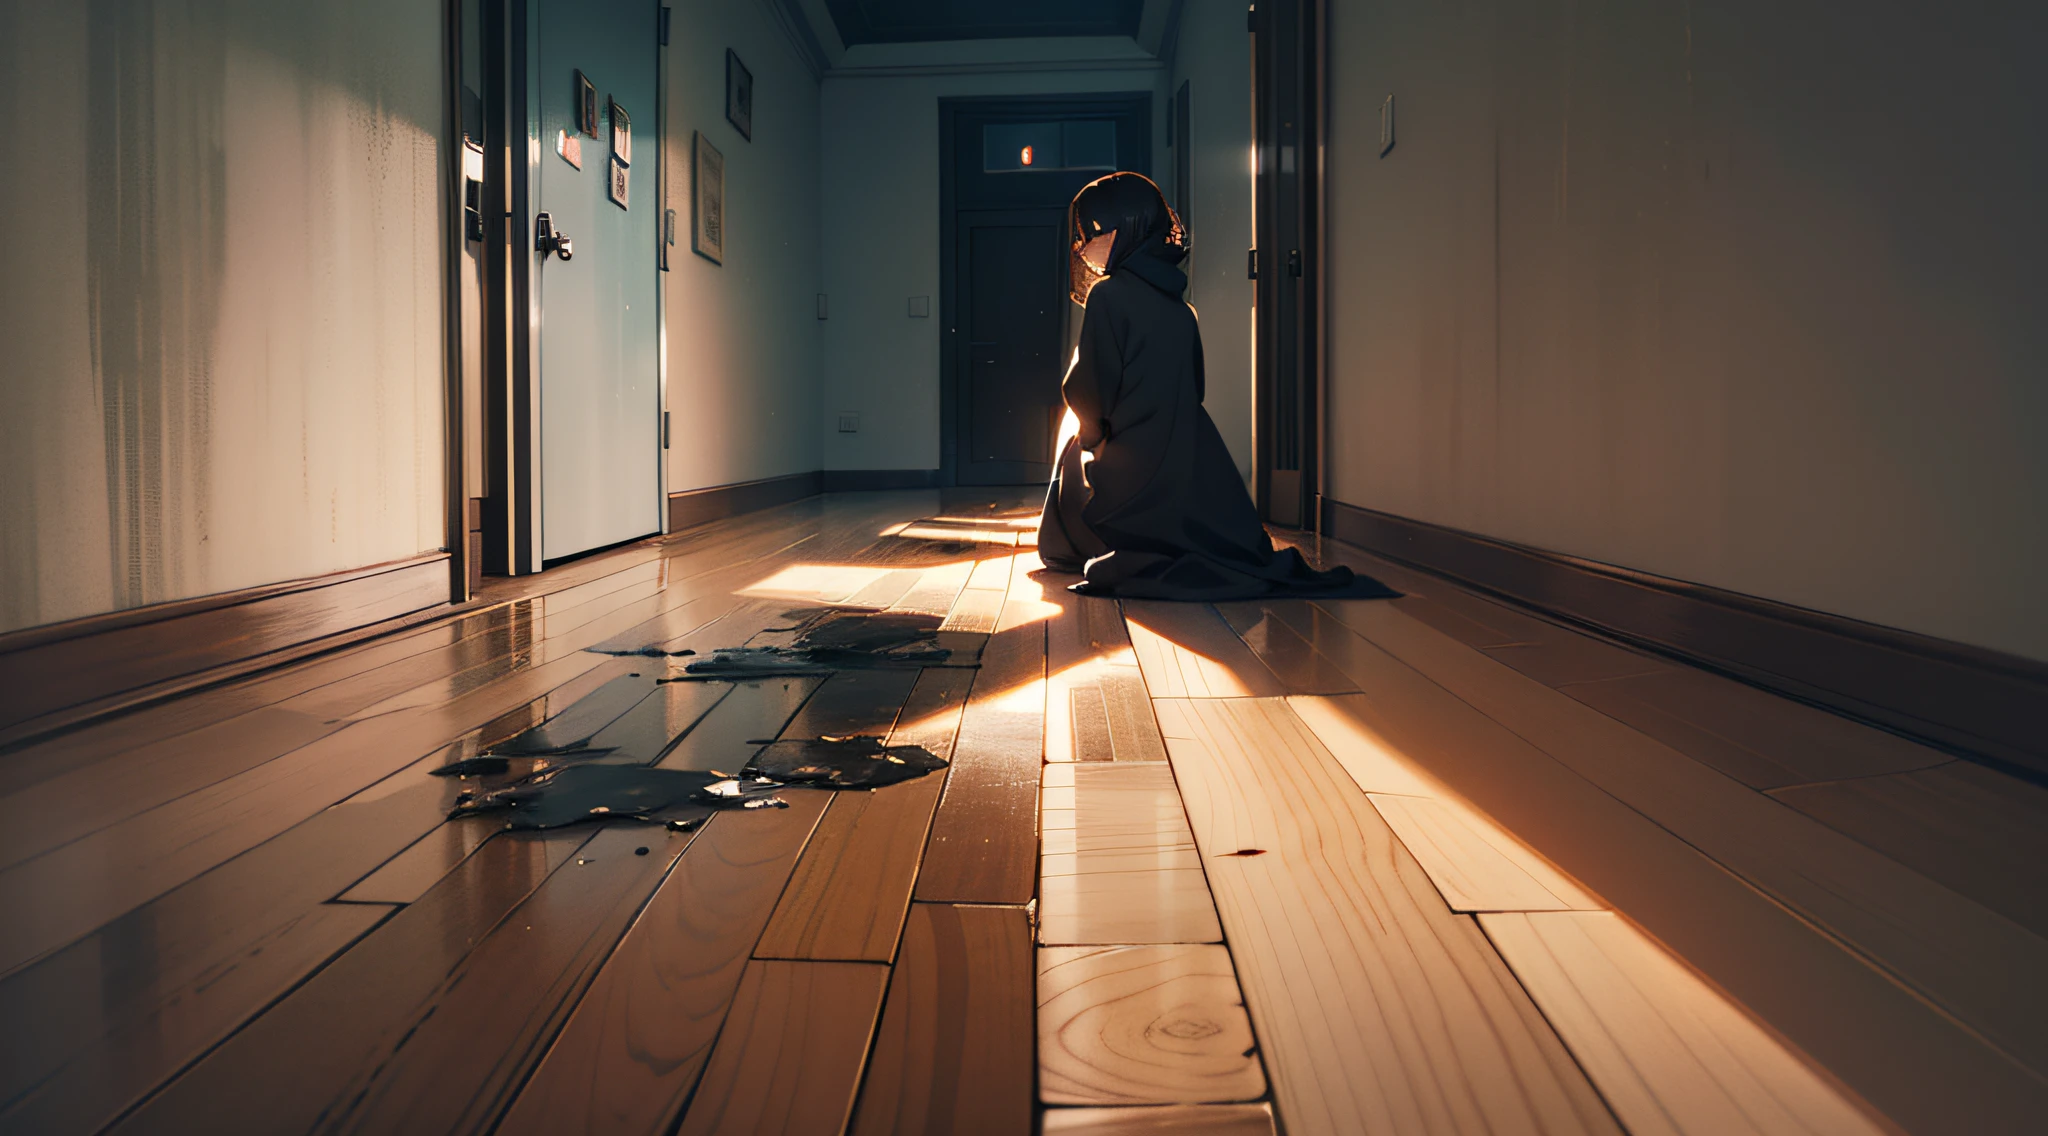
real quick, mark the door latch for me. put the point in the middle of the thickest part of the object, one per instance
(548, 239)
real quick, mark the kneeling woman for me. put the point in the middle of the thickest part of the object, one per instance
(1145, 499)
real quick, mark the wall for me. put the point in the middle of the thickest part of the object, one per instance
(881, 242)
(223, 308)
(1747, 295)
(1214, 58)
(743, 337)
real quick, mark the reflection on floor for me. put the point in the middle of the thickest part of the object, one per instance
(1417, 865)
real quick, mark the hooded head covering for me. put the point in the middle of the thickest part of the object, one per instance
(1149, 238)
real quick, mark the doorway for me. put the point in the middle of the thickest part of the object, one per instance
(1286, 262)
(574, 424)
(1008, 169)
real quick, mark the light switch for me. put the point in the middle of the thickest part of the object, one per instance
(849, 423)
(920, 307)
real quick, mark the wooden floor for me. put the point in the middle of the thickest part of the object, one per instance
(1421, 865)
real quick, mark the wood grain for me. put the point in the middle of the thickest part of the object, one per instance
(936, 589)
(1752, 735)
(984, 839)
(954, 1052)
(789, 1061)
(1187, 651)
(1668, 1052)
(1378, 1010)
(1293, 659)
(1476, 865)
(631, 1054)
(1119, 865)
(1916, 1063)
(1181, 1120)
(1950, 949)
(1143, 1025)
(851, 890)
(360, 1008)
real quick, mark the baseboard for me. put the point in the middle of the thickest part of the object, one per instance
(702, 506)
(1969, 700)
(861, 480)
(62, 671)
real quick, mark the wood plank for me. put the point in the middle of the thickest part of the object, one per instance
(851, 890)
(1752, 735)
(984, 840)
(110, 1016)
(1952, 950)
(790, 1059)
(936, 590)
(1296, 662)
(1567, 656)
(886, 591)
(631, 1053)
(954, 1050)
(1668, 1052)
(1915, 1062)
(1143, 1025)
(1378, 1010)
(1187, 651)
(1976, 830)
(728, 736)
(408, 876)
(1182, 1120)
(361, 1007)
(1473, 863)
(1119, 865)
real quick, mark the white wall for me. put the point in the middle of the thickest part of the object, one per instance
(1749, 295)
(743, 337)
(881, 243)
(223, 306)
(1214, 59)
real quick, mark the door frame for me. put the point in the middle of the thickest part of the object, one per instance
(514, 150)
(1288, 385)
(950, 344)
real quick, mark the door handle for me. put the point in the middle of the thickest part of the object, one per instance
(548, 239)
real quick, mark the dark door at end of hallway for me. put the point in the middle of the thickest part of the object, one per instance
(1011, 263)
(1009, 168)
(600, 329)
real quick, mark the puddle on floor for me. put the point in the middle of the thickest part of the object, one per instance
(843, 763)
(828, 640)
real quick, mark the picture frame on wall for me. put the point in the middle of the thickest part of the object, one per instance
(739, 95)
(622, 133)
(586, 105)
(707, 201)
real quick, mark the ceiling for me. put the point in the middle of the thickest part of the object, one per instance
(911, 21)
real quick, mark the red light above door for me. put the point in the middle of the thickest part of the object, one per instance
(1025, 157)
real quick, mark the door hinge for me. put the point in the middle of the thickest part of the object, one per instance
(664, 25)
(664, 429)
(1251, 264)
(1293, 262)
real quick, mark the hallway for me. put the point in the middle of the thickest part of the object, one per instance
(1274, 853)
(522, 606)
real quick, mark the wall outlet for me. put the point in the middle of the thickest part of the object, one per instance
(849, 423)
(920, 307)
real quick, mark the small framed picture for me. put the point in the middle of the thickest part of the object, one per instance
(586, 105)
(618, 183)
(622, 133)
(707, 233)
(739, 95)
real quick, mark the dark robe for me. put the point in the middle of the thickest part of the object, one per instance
(1159, 512)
